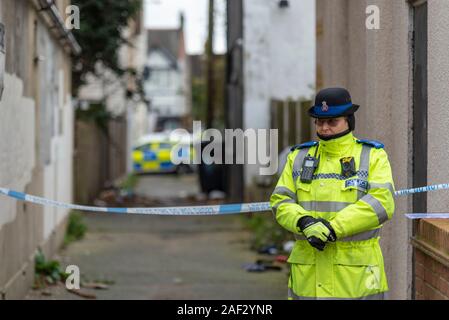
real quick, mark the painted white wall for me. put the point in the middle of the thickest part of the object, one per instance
(279, 59)
(141, 123)
(141, 46)
(110, 88)
(58, 173)
(17, 149)
(18, 155)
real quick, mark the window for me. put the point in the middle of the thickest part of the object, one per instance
(160, 78)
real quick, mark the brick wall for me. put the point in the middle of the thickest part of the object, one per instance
(431, 247)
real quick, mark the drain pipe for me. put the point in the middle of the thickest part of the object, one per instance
(51, 15)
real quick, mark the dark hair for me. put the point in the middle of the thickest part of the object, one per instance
(351, 121)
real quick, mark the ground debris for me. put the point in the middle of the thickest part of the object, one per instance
(262, 265)
(83, 294)
(95, 285)
(116, 197)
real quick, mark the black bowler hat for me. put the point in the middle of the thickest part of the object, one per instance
(333, 103)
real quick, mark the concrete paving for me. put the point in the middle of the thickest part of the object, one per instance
(160, 257)
(168, 186)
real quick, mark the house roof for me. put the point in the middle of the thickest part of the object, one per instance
(167, 54)
(170, 40)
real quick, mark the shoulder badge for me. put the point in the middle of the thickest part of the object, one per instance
(372, 143)
(304, 145)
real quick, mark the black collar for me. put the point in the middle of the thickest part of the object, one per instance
(335, 136)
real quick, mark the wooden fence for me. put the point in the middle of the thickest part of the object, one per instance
(290, 117)
(100, 158)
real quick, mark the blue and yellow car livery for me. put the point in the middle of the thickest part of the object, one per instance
(156, 157)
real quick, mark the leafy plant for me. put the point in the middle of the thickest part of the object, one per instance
(76, 228)
(101, 35)
(129, 182)
(47, 272)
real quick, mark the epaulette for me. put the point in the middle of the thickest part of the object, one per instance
(372, 143)
(304, 145)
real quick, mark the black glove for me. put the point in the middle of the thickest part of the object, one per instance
(317, 231)
(332, 235)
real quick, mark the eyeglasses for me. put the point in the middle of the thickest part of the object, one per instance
(330, 122)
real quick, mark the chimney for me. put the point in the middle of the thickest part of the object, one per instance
(181, 20)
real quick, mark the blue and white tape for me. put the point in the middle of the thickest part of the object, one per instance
(427, 215)
(193, 210)
(422, 189)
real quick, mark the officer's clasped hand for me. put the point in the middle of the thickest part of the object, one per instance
(317, 231)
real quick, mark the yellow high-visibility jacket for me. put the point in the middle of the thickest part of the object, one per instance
(356, 207)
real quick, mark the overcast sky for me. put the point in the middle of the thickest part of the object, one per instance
(165, 14)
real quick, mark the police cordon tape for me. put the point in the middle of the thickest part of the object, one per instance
(437, 215)
(175, 211)
(202, 210)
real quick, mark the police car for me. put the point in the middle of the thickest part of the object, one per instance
(152, 153)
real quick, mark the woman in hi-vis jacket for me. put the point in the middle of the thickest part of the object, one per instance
(334, 195)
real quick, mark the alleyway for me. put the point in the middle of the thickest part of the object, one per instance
(152, 257)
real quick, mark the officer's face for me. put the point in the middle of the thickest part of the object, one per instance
(330, 127)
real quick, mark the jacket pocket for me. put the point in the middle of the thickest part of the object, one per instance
(358, 272)
(303, 191)
(356, 256)
(303, 269)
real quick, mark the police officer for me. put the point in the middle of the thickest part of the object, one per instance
(334, 195)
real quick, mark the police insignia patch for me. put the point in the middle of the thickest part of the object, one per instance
(324, 107)
(358, 183)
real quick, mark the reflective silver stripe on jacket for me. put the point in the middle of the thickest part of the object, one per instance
(366, 235)
(284, 191)
(378, 296)
(275, 207)
(324, 206)
(387, 185)
(377, 207)
(363, 168)
(364, 158)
